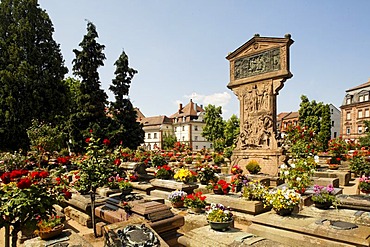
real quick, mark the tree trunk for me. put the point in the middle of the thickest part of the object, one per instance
(92, 197)
(16, 229)
(7, 235)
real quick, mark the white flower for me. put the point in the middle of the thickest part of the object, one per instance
(283, 166)
(298, 179)
(292, 165)
(286, 173)
(316, 158)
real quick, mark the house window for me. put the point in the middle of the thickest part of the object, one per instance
(183, 128)
(367, 113)
(348, 101)
(155, 136)
(183, 138)
(196, 147)
(348, 131)
(360, 114)
(175, 129)
(195, 138)
(149, 137)
(335, 134)
(360, 129)
(332, 123)
(366, 97)
(361, 98)
(348, 116)
(195, 127)
(210, 145)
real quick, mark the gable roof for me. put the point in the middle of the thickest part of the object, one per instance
(156, 120)
(191, 109)
(366, 84)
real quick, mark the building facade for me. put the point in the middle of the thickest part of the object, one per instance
(355, 110)
(186, 124)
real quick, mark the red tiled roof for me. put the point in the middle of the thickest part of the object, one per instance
(188, 110)
(156, 120)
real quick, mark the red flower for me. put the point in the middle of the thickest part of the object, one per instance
(15, 174)
(106, 142)
(24, 183)
(77, 177)
(58, 180)
(43, 174)
(35, 175)
(117, 162)
(6, 177)
(87, 140)
(90, 130)
(67, 195)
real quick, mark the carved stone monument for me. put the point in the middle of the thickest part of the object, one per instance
(258, 70)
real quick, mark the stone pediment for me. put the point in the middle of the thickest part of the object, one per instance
(260, 58)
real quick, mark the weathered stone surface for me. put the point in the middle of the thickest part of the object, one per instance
(358, 202)
(264, 179)
(142, 187)
(205, 236)
(343, 176)
(80, 217)
(67, 237)
(238, 204)
(171, 185)
(301, 230)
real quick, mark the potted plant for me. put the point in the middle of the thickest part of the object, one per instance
(185, 176)
(298, 174)
(364, 185)
(254, 191)
(49, 228)
(253, 167)
(236, 169)
(282, 201)
(164, 172)
(206, 174)
(324, 196)
(177, 198)
(237, 182)
(218, 158)
(221, 187)
(125, 186)
(219, 217)
(195, 201)
(334, 162)
(188, 160)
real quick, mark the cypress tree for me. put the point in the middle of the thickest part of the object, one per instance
(124, 129)
(31, 71)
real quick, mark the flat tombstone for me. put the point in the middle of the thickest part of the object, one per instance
(258, 70)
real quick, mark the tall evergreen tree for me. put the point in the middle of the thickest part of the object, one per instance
(92, 100)
(125, 129)
(31, 71)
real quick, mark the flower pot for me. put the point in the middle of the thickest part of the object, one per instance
(284, 211)
(365, 191)
(196, 210)
(126, 192)
(220, 226)
(324, 205)
(179, 204)
(52, 233)
(333, 166)
(221, 192)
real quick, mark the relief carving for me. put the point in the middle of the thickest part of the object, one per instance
(267, 61)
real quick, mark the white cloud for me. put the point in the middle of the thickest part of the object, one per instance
(217, 99)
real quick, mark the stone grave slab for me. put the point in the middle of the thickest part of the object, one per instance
(302, 230)
(343, 176)
(172, 185)
(83, 202)
(238, 204)
(262, 178)
(105, 191)
(78, 216)
(142, 187)
(112, 232)
(326, 181)
(349, 215)
(67, 238)
(205, 236)
(358, 202)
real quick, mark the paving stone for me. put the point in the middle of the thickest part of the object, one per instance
(80, 217)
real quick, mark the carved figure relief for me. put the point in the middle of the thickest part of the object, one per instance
(261, 63)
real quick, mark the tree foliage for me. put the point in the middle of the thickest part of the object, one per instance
(231, 131)
(31, 71)
(315, 116)
(213, 130)
(168, 141)
(126, 130)
(365, 140)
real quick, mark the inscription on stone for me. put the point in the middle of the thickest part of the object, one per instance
(267, 61)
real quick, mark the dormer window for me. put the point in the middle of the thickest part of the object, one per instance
(363, 96)
(348, 100)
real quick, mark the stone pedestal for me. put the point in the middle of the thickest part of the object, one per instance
(358, 202)
(83, 202)
(343, 176)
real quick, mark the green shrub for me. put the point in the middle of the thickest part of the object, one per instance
(253, 167)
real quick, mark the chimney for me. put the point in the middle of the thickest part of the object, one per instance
(180, 107)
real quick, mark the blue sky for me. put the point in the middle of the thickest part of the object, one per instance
(179, 47)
